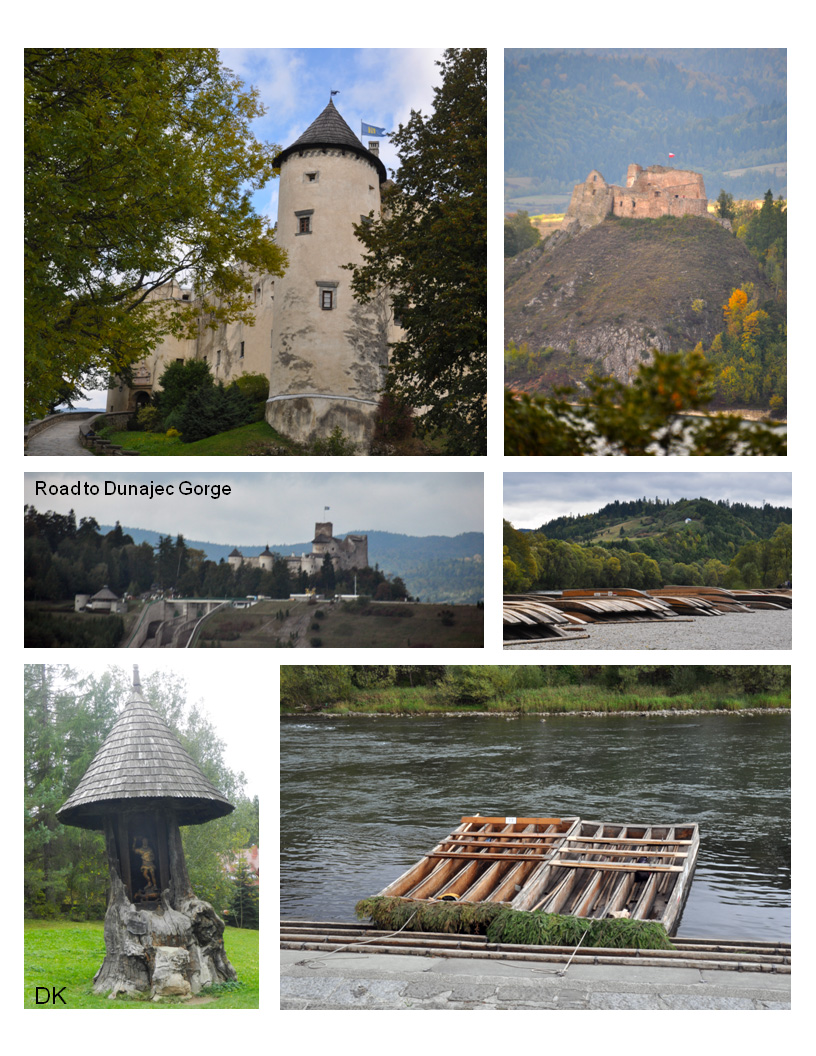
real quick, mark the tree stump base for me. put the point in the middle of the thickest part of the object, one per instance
(167, 951)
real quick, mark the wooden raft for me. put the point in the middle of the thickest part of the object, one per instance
(560, 865)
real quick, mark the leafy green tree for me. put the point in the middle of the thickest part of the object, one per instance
(139, 165)
(725, 206)
(429, 249)
(519, 233)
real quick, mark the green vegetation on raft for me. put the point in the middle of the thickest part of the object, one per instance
(501, 924)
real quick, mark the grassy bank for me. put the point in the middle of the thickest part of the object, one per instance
(67, 954)
(245, 440)
(549, 700)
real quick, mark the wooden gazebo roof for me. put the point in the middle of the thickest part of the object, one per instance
(141, 763)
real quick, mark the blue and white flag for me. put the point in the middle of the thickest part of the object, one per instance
(371, 130)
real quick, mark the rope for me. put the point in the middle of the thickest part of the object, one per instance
(317, 963)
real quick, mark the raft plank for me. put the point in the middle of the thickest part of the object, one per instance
(479, 820)
(627, 866)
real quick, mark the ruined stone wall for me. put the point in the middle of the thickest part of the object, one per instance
(649, 194)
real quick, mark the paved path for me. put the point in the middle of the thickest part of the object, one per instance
(61, 438)
(385, 981)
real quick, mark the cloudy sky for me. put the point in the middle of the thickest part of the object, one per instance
(377, 85)
(532, 499)
(238, 718)
(274, 507)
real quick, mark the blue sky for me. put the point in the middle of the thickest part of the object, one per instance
(377, 85)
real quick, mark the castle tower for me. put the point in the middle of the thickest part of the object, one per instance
(329, 353)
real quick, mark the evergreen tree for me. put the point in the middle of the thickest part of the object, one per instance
(244, 909)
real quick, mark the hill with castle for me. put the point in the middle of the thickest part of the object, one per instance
(633, 269)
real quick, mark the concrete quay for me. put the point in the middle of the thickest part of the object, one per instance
(351, 980)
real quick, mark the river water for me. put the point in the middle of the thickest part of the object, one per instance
(363, 799)
(763, 629)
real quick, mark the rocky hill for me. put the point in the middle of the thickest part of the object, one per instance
(609, 296)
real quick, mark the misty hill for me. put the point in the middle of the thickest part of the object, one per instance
(607, 297)
(433, 567)
(686, 530)
(722, 112)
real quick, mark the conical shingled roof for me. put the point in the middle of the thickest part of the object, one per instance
(141, 760)
(330, 130)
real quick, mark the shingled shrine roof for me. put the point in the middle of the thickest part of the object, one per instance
(142, 761)
(330, 130)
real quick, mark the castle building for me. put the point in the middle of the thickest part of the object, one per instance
(329, 353)
(649, 193)
(325, 354)
(348, 553)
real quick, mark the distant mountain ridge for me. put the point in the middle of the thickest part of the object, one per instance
(722, 112)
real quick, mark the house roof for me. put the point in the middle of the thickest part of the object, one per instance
(330, 130)
(141, 762)
(105, 594)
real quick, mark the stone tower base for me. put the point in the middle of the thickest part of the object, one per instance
(310, 417)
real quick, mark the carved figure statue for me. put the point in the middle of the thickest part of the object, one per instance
(148, 856)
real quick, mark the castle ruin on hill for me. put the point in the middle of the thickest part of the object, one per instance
(649, 193)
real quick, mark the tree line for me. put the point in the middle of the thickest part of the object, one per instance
(309, 688)
(534, 562)
(68, 715)
(63, 558)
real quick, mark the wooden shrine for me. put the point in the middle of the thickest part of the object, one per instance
(139, 788)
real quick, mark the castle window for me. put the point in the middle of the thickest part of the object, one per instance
(218, 359)
(242, 350)
(304, 221)
(311, 177)
(327, 294)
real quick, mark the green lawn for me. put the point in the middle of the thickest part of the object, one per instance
(245, 440)
(67, 954)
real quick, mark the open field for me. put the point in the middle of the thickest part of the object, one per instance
(66, 954)
(345, 625)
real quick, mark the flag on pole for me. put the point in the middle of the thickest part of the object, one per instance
(326, 508)
(371, 130)
(671, 155)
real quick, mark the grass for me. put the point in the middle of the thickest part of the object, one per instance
(67, 954)
(501, 924)
(245, 440)
(345, 626)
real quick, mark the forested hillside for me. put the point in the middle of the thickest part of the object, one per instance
(433, 567)
(648, 543)
(719, 111)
